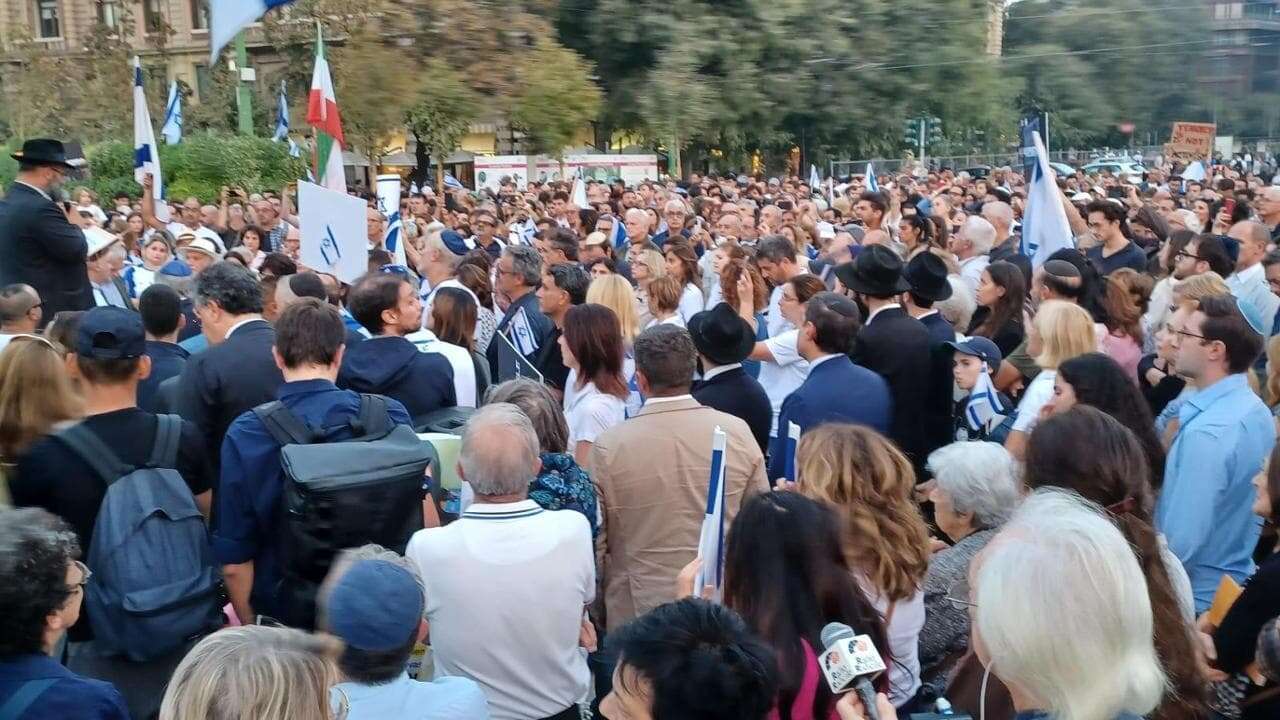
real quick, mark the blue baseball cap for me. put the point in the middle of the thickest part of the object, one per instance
(176, 268)
(110, 333)
(981, 348)
(375, 606)
(453, 240)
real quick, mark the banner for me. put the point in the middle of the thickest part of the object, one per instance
(632, 169)
(711, 539)
(1191, 141)
(334, 232)
(389, 206)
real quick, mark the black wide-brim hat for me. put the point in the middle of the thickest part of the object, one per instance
(927, 276)
(721, 335)
(43, 151)
(876, 271)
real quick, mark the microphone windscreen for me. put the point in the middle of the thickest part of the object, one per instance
(834, 632)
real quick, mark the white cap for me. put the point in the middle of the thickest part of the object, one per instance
(98, 239)
(203, 245)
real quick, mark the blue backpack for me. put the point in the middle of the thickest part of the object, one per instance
(154, 585)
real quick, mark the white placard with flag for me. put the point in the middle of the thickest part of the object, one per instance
(815, 180)
(711, 541)
(334, 232)
(146, 154)
(1045, 229)
(793, 444)
(389, 204)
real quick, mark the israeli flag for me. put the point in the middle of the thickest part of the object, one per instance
(711, 541)
(172, 130)
(872, 185)
(146, 156)
(282, 115)
(981, 409)
(453, 183)
(1044, 223)
(229, 17)
(618, 236)
(815, 180)
(522, 334)
(523, 233)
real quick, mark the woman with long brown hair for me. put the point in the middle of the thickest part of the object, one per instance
(1000, 298)
(36, 394)
(453, 320)
(682, 264)
(869, 482)
(595, 392)
(1113, 473)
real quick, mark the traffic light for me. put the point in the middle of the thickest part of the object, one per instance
(911, 132)
(934, 133)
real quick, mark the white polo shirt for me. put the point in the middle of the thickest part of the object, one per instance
(506, 586)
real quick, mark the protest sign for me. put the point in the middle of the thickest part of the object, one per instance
(334, 232)
(1190, 141)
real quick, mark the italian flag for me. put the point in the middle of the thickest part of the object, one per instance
(322, 114)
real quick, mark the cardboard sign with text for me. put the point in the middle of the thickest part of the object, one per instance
(334, 232)
(1191, 141)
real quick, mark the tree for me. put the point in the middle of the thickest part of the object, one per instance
(554, 98)
(441, 114)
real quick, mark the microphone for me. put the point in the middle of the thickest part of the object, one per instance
(851, 661)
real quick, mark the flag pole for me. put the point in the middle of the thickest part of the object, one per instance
(244, 96)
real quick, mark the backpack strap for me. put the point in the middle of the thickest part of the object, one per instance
(91, 449)
(27, 693)
(168, 432)
(285, 427)
(373, 420)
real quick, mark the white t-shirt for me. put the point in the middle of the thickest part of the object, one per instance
(1038, 393)
(691, 302)
(464, 370)
(781, 377)
(177, 229)
(588, 411)
(904, 640)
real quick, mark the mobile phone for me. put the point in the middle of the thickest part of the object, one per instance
(1117, 192)
(1229, 206)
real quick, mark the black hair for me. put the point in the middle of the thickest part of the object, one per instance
(700, 660)
(1008, 309)
(787, 575)
(370, 296)
(836, 319)
(1211, 249)
(376, 667)
(1224, 322)
(232, 286)
(309, 332)
(667, 357)
(1091, 286)
(35, 548)
(278, 264)
(1113, 212)
(1099, 381)
(571, 279)
(564, 241)
(160, 307)
(877, 200)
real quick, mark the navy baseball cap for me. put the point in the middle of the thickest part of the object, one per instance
(457, 244)
(375, 606)
(979, 347)
(110, 333)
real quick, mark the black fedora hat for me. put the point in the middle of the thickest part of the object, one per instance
(927, 275)
(43, 151)
(876, 271)
(722, 336)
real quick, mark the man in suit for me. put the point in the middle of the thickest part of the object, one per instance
(927, 276)
(893, 344)
(651, 475)
(237, 372)
(724, 340)
(837, 389)
(41, 244)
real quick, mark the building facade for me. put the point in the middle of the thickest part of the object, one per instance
(1244, 57)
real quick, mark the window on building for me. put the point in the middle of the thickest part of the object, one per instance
(153, 15)
(109, 13)
(47, 20)
(1236, 11)
(199, 14)
(204, 82)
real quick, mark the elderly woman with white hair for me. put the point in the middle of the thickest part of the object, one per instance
(974, 490)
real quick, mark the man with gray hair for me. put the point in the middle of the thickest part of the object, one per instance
(673, 214)
(507, 584)
(1006, 247)
(20, 311)
(523, 327)
(971, 246)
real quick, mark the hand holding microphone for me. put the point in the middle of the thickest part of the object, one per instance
(851, 708)
(851, 662)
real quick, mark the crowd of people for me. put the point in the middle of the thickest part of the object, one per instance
(473, 485)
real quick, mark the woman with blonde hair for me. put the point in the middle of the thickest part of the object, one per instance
(869, 482)
(1060, 331)
(35, 394)
(647, 265)
(258, 672)
(1191, 290)
(615, 293)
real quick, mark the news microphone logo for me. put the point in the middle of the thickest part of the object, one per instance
(848, 657)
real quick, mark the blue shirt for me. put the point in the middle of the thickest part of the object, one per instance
(447, 698)
(1206, 506)
(70, 696)
(252, 482)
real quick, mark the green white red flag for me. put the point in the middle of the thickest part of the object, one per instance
(323, 116)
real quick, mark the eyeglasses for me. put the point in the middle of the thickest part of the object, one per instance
(85, 574)
(1191, 334)
(1184, 254)
(959, 595)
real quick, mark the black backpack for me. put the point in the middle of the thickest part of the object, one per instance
(341, 494)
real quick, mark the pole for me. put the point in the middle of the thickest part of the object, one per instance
(244, 97)
(920, 134)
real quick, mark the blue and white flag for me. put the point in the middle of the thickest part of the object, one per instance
(282, 115)
(453, 183)
(522, 233)
(172, 130)
(983, 404)
(579, 195)
(872, 185)
(146, 155)
(815, 180)
(1044, 223)
(618, 235)
(711, 541)
(522, 334)
(389, 189)
(228, 17)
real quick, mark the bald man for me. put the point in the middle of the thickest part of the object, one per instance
(20, 312)
(1269, 210)
(1249, 281)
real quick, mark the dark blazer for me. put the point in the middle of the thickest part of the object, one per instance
(229, 378)
(740, 395)
(896, 346)
(167, 361)
(862, 398)
(1010, 251)
(39, 247)
(942, 380)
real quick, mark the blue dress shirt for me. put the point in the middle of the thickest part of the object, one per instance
(1206, 506)
(447, 698)
(67, 696)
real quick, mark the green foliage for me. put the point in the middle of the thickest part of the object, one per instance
(554, 97)
(442, 111)
(199, 166)
(8, 166)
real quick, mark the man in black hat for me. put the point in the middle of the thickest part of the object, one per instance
(892, 343)
(41, 244)
(927, 276)
(723, 341)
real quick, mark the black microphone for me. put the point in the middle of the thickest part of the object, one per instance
(851, 661)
